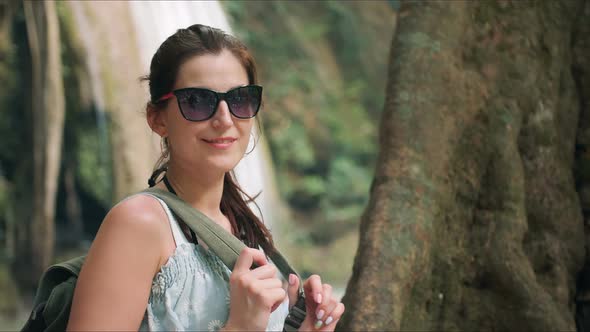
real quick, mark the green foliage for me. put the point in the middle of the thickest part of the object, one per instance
(348, 182)
(320, 119)
(12, 48)
(16, 126)
(9, 83)
(4, 219)
(298, 151)
(94, 172)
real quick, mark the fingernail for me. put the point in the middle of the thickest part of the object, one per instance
(320, 314)
(318, 298)
(318, 324)
(329, 320)
(292, 278)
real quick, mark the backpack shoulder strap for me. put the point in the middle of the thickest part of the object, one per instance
(223, 244)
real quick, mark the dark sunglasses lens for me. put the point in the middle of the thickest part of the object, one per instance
(196, 104)
(244, 102)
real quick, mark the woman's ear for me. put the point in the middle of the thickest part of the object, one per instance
(156, 119)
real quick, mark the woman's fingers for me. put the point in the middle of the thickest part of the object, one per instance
(275, 296)
(293, 289)
(333, 317)
(313, 289)
(323, 311)
(247, 257)
(269, 283)
(264, 272)
(324, 307)
(329, 311)
(313, 299)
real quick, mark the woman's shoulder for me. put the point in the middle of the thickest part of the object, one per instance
(138, 219)
(118, 271)
(139, 208)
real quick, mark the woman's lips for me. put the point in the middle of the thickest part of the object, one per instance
(221, 142)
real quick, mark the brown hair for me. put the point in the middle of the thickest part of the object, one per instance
(184, 44)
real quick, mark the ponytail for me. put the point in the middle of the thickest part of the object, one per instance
(162, 163)
(244, 222)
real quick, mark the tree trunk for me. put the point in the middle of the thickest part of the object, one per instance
(581, 72)
(47, 110)
(474, 222)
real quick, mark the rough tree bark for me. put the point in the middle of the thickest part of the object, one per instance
(36, 240)
(581, 73)
(474, 221)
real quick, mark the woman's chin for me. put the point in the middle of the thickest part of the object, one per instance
(223, 165)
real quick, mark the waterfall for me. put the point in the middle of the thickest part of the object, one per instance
(96, 84)
(154, 22)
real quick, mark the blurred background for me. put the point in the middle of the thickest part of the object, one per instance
(430, 159)
(75, 140)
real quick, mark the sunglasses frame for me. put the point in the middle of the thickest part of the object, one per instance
(219, 96)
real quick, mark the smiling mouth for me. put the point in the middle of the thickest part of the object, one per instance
(223, 140)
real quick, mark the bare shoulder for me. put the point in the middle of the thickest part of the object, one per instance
(135, 229)
(141, 221)
(140, 210)
(115, 281)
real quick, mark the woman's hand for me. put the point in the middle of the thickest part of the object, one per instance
(323, 310)
(254, 294)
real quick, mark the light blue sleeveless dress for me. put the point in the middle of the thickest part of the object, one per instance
(191, 291)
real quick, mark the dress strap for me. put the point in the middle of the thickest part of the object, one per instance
(179, 237)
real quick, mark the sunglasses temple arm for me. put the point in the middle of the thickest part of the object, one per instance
(165, 97)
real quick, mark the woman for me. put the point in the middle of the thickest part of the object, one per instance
(203, 101)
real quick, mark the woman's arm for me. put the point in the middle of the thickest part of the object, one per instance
(115, 281)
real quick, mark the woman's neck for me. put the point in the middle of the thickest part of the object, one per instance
(203, 192)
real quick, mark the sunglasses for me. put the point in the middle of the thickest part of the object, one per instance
(200, 104)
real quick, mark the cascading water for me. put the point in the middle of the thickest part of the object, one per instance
(154, 22)
(96, 84)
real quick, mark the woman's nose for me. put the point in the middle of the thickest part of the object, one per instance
(222, 117)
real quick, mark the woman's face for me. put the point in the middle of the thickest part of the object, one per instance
(217, 144)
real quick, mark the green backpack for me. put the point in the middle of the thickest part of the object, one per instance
(53, 300)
